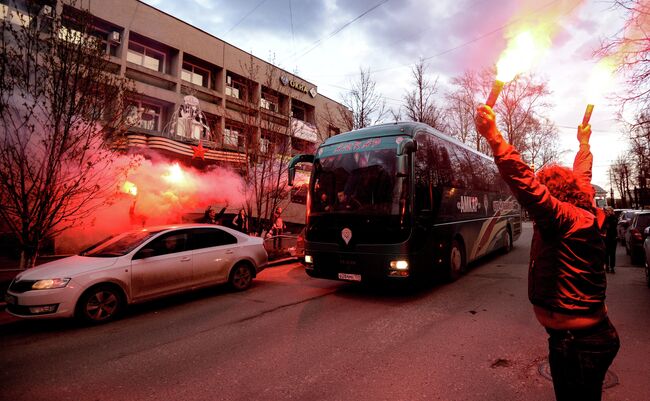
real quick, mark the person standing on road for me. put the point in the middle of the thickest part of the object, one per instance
(277, 229)
(610, 240)
(240, 221)
(566, 277)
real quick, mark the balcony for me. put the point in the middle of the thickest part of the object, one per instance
(304, 130)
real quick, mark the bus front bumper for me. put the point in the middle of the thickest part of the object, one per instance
(357, 267)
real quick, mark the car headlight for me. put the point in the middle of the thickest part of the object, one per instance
(50, 283)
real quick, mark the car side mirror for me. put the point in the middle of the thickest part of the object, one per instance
(144, 253)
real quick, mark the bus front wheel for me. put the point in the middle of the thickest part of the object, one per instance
(507, 241)
(456, 260)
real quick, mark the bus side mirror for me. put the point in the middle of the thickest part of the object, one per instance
(404, 149)
(291, 171)
(407, 146)
(402, 165)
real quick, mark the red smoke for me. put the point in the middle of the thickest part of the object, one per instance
(154, 191)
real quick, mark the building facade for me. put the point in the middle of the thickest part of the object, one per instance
(243, 100)
(192, 88)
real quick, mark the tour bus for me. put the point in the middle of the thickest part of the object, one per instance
(402, 200)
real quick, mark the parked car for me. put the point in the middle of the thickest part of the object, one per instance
(646, 249)
(635, 235)
(136, 266)
(623, 223)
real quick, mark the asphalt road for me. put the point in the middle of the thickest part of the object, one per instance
(291, 337)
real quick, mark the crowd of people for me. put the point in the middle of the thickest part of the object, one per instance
(241, 222)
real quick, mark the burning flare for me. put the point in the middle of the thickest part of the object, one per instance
(523, 50)
(130, 188)
(174, 174)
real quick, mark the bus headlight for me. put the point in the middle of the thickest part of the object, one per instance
(398, 268)
(309, 259)
(399, 265)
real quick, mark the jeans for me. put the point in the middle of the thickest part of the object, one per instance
(579, 360)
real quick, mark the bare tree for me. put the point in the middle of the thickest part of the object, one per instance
(420, 102)
(367, 105)
(639, 134)
(521, 106)
(267, 135)
(541, 143)
(521, 100)
(630, 48)
(620, 173)
(61, 114)
(461, 104)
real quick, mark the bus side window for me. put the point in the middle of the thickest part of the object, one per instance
(425, 162)
(446, 175)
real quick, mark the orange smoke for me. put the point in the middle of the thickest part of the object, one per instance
(155, 191)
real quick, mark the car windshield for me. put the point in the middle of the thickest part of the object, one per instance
(119, 245)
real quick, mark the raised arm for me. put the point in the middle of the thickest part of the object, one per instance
(531, 194)
(584, 160)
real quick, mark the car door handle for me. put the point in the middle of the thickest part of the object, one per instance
(186, 259)
(229, 251)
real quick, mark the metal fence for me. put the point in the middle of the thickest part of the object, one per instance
(283, 247)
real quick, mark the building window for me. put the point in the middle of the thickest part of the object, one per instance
(235, 88)
(231, 137)
(146, 57)
(196, 75)
(269, 102)
(298, 112)
(17, 16)
(265, 146)
(144, 115)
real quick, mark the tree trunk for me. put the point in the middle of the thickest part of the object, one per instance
(28, 257)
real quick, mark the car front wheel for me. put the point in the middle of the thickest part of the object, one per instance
(100, 304)
(241, 277)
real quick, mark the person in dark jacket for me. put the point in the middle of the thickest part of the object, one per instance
(212, 217)
(240, 221)
(566, 277)
(610, 240)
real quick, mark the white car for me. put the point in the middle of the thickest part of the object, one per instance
(136, 266)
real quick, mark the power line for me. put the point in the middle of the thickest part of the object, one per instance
(245, 16)
(293, 37)
(449, 50)
(321, 40)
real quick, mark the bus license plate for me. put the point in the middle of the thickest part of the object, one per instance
(349, 277)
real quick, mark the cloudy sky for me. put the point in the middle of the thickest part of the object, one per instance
(327, 41)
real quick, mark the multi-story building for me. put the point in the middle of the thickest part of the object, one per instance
(191, 86)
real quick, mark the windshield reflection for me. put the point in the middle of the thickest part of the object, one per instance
(359, 182)
(119, 245)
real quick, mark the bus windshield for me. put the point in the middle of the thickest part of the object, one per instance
(362, 182)
(355, 185)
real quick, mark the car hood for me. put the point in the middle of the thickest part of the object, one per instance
(66, 267)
